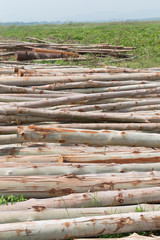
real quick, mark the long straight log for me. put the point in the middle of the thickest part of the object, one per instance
(142, 108)
(29, 168)
(152, 127)
(104, 51)
(8, 129)
(89, 199)
(43, 149)
(20, 119)
(79, 70)
(71, 116)
(33, 81)
(92, 97)
(116, 106)
(38, 213)
(116, 157)
(90, 83)
(81, 227)
(61, 154)
(113, 89)
(89, 137)
(13, 89)
(53, 186)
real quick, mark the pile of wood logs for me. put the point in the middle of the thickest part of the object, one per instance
(47, 50)
(82, 145)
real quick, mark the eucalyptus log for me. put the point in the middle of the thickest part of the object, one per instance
(71, 155)
(113, 89)
(33, 81)
(71, 116)
(152, 127)
(72, 70)
(8, 129)
(53, 186)
(142, 108)
(46, 149)
(14, 89)
(31, 167)
(81, 227)
(92, 97)
(117, 105)
(90, 83)
(89, 137)
(20, 119)
(38, 213)
(91, 199)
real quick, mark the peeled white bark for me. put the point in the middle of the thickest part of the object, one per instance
(89, 83)
(112, 89)
(88, 137)
(116, 106)
(81, 227)
(20, 119)
(78, 98)
(38, 213)
(7, 139)
(26, 168)
(49, 149)
(31, 81)
(142, 108)
(14, 89)
(8, 129)
(89, 199)
(152, 127)
(74, 116)
(54, 186)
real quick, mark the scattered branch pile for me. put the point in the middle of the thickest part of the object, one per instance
(82, 145)
(47, 50)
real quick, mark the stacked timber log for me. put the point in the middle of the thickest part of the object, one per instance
(82, 146)
(47, 50)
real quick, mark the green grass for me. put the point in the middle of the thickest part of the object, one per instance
(143, 35)
(11, 199)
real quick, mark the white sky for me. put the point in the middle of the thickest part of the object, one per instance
(77, 10)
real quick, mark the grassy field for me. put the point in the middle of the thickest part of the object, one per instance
(145, 36)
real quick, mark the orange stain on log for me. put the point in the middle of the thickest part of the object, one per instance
(67, 224)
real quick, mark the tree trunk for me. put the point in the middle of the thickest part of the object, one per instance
(38, 213)
(81, 227)
(31, 167)
(89, 199)
(54, 186)
(89, 137)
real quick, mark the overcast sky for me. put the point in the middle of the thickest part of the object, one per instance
(77, 10)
